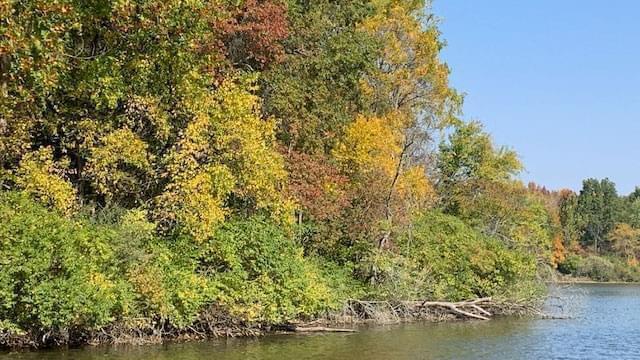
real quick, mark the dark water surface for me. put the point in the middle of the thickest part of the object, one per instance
(604, 324)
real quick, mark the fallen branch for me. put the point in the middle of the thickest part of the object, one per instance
(398, 311)
(323, 329)
(458, 307)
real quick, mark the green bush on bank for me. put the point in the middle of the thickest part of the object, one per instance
(599, 268)
(461, 263)
(442, 258)
(60, 273)
(56, 272)
(261, 274)
(92, 271)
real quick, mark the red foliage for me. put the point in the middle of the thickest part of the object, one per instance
(317, 186)
(253, 33)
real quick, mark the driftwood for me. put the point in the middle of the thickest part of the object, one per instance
(470, 309)
(399, 311)
(311, 327)
(322, 329)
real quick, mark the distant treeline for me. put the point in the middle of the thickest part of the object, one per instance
(169, 164)
(600, 231)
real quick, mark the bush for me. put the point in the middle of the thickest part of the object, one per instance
(625, 272)
(570, 265)
(596, 268)
(60, 273)
(462, 263)
(600, 268)
(261, 273)
(56, 273)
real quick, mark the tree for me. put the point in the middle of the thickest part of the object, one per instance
(314, 90)
(476, 183)
(372, 154)
(224, 162)
(252, 34)
(123, 98)
(630, 209)
(409, 76)
(597, 208)
(569, 218)
(467, 160)
(625, 241)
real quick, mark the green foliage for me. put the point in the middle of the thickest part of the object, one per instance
(606, 227)
(598, 206)
(462, 263)
(476, 184)
(314, 91)
(569, 265)
(470, 154)
(600, 268)
(595, 267)
(63, 273)
(57, 273)
(569, 217)
(261, 273)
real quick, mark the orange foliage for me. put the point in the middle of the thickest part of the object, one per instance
(317, 186)
(559, 251)
(252, 35)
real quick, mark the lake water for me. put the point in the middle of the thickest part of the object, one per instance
(604, 323)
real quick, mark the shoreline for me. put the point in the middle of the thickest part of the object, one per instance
(349, 320)
(593, 282)
(587, 281)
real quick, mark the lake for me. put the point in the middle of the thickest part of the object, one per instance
(603, 323)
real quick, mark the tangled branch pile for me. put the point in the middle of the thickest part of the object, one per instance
(399, 311)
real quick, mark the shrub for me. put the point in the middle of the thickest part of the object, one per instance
(461, 262)
(596, 268)
(570, 265)
(261, 273)
(60, 273)
(56, 273)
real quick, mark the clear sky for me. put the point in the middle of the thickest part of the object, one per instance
(556, 80)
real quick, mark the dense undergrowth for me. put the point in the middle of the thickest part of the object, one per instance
(64, 276)
(599, 268)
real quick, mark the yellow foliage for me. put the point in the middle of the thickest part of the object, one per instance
(373, 154)
(226, 150)
(144, 114)
(148, 283)
(410, 76)
(121, 165)
(195, 200)
(415, 188)
(370, 145)
(39, 175)
(626, 241)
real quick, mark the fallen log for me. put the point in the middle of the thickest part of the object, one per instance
(459, 307)
(323, 329)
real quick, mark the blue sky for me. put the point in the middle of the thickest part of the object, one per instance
(556, 80)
